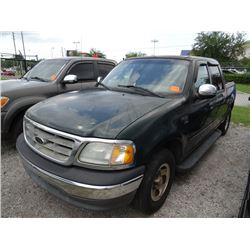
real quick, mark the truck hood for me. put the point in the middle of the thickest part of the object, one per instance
(93, 113)
(8, 86)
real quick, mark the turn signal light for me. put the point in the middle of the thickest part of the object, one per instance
(4, 101)
(122, 154)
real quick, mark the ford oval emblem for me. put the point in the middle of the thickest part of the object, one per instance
(40, 140)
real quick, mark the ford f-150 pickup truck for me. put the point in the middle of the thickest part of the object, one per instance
(123, 141)
(48, 78)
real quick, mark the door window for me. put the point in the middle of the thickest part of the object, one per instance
(83, 71)
(203, 77)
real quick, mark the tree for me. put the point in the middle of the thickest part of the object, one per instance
(224, 47)
(134, 54)
(92, 53)
(245, 62)
(96, 53)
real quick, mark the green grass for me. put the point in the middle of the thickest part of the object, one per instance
(241, 115)
(4, 78)
(243, 88)
(10, 77)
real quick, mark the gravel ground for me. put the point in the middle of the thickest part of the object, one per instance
(214, 188)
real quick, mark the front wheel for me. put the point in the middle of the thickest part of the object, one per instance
(156, 183)
(17, 127)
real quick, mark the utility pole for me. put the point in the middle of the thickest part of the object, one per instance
(15, 57)
(21, 66)
(24, 53)
(13, 36)
(154, 41)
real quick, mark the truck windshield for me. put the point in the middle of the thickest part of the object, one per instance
(46, 70)
(160, 76)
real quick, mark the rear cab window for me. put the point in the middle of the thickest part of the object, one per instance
(104, 68)
(216, 77)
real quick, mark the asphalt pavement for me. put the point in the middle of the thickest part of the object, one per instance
(214, 188)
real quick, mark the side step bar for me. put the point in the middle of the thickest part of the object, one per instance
(198, 153)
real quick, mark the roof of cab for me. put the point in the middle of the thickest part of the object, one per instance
(188, 58)
(78, 58)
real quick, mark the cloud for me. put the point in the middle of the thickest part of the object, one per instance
(34, 37)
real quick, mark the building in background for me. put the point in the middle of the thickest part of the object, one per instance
(247, 49)
(185, 52)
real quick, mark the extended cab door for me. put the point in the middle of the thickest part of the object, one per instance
(103, 68)
(220, 99)
(200, 115)
(85, 72)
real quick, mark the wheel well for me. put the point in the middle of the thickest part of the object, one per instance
(16, 118)
(174, 146)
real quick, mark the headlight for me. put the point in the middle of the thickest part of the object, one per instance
(4, 101)
(108, 154)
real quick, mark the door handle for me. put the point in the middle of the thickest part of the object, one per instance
(184, 119)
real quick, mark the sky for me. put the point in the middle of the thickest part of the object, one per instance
(118, 27)
(48, 45)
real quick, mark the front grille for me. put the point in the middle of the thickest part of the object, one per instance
(51, 145)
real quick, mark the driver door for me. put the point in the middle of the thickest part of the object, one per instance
(85, 72)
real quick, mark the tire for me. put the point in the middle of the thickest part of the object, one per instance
(156, 183)
(17, 128)
(225, 125)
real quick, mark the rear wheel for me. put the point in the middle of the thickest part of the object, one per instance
(156, 183)
(225, 125)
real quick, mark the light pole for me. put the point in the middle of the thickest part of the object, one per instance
(52, 48)
(24, 53)
(76, 42)
(154, 41)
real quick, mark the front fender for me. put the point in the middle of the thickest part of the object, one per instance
(16, 107)
(157, 128)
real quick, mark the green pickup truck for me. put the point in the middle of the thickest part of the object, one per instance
(123, 140)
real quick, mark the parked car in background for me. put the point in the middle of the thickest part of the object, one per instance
(48, 78)
(233, 71)
(8, 72)
(105, 147)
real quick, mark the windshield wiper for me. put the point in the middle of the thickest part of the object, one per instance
(99, 83)
(38, 78)
(25, 78)
(140, 88)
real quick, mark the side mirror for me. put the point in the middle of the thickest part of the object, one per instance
(99, 79)
(70, 79)
(207, 90)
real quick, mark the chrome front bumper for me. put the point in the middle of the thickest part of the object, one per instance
(81, 190)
